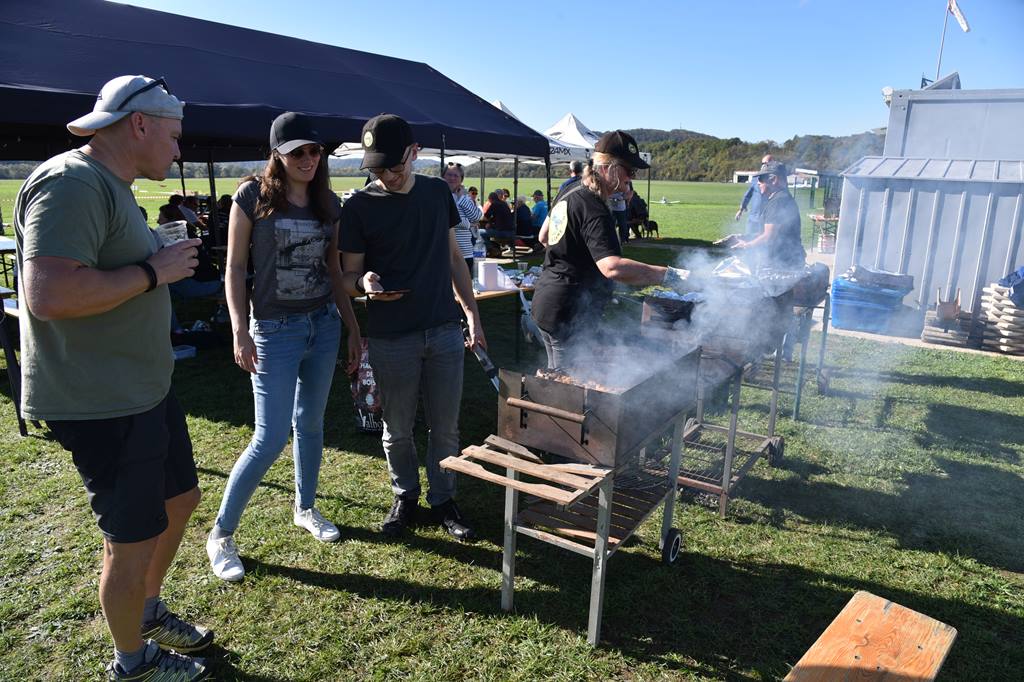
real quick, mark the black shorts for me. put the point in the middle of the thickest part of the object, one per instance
(130, 465)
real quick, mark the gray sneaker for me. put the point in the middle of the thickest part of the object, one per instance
(170, 632)
(165, 666)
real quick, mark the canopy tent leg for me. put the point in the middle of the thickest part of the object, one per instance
(547, 172)
(483, 175)
(441, 172)
(213, 221)
(181, 172)
(515, 199)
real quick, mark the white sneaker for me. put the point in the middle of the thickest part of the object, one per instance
(224, 561)
(313, 521)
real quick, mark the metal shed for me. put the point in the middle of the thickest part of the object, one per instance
(945, 201)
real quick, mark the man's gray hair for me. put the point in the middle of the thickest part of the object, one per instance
(576, 167)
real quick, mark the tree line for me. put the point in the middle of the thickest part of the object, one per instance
(678, 155)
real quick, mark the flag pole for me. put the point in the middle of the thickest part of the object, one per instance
(942, 42)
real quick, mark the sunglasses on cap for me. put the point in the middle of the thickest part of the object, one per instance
(159, 82)
(764, 178)
(313, 151)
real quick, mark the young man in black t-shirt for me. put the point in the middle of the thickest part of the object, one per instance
(584, 256)
(398, 248)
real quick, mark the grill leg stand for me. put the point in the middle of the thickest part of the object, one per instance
(805, 338)
(826, 316)
(508, 559)
(700, 394)
(730, 446)
(773, 411)
(604, 515)
(673, 479)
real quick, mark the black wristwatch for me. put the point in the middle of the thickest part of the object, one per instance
(150, 272)
(359, 285)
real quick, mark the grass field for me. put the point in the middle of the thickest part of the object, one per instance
(704, 213)
(906, 480)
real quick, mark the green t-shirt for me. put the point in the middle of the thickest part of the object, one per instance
(108, 365)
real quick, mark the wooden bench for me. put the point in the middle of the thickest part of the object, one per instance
(8, 324)
(876, 639)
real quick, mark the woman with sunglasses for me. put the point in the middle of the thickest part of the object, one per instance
(287, 218)
(465, 231)
(584, 256)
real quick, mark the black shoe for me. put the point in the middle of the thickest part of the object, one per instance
(450, 518)
(401, 516)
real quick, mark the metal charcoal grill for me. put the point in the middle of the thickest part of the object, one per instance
(606, 432)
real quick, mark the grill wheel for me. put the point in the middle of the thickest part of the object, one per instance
(672, 546)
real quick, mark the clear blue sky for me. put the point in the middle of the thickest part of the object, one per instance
(753, 70)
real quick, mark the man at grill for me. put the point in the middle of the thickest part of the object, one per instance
(398, 233)
(778, 246)
(584, 256)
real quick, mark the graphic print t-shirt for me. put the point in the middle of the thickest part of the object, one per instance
(571, 289)
(288, 251)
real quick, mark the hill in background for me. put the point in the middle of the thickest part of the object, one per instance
(678, 155)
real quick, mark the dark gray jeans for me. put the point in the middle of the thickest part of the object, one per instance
(427, 363)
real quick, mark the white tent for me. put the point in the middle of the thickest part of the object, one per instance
(560, 152)
(571, 131)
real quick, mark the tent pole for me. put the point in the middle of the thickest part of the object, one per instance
(649, 191)
(442, 156)
(547, 171)
(213, 221)
(483, 174)
(515, 200)
(181, 172)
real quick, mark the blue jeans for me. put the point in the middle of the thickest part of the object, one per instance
(490, 235)
(190, 288)
(430, 363)
(296, 359)
(622, 222)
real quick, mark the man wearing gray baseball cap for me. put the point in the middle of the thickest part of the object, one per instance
(95, 347)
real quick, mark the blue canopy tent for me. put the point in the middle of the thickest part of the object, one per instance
(56, 54)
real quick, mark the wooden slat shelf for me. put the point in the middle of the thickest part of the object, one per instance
(562, 485)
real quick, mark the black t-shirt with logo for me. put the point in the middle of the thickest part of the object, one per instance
(571, 292)
(404, 238)
(784, 249)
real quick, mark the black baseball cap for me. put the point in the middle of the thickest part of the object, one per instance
(622, 146)
(290, 131)
(385, 139)
(538, 193)
(773, 168)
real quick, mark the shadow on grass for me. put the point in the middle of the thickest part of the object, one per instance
(991, 435)
(988, 385)
(694, 616)
(969, 509)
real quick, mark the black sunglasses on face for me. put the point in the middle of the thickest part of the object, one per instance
(313, 151)
(394, 170)
(159, 82)
(631, 172)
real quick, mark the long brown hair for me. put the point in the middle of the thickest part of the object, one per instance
(273, 184)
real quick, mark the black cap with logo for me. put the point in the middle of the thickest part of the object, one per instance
(385, 139)
(290, 131)
(622, 146)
